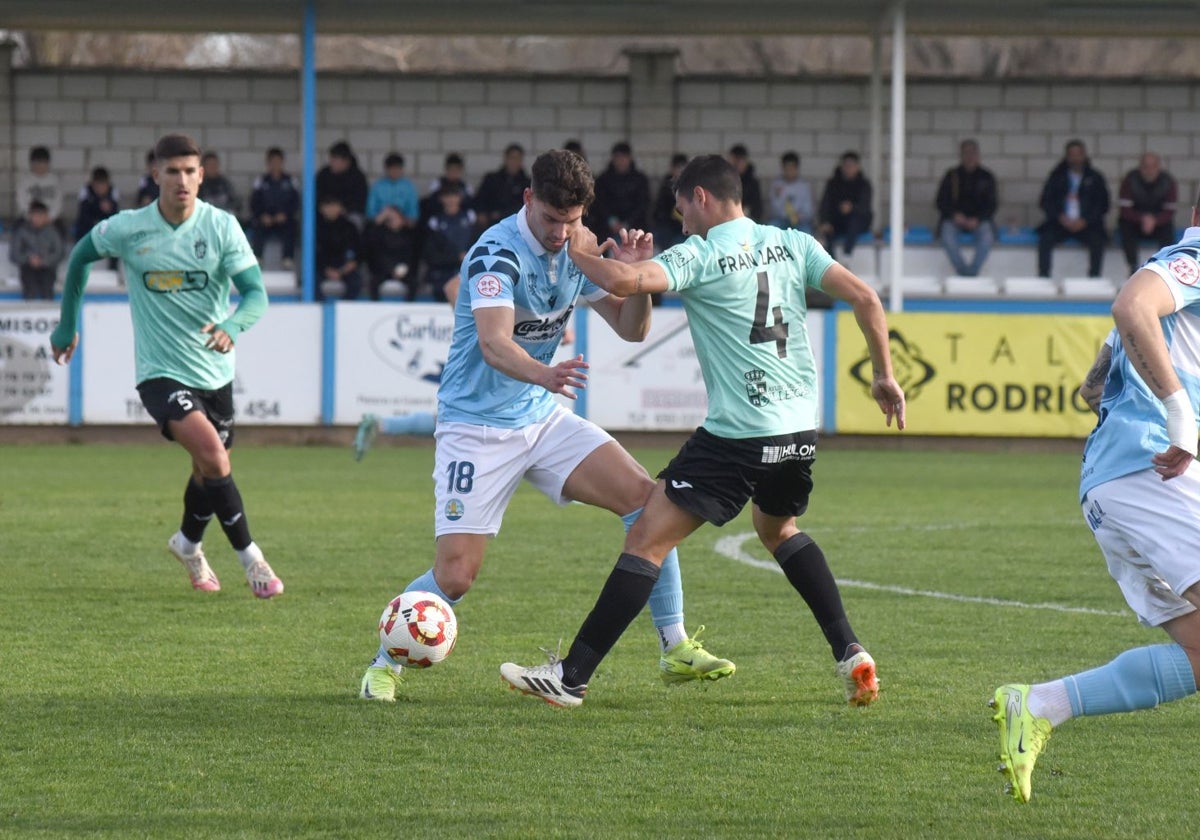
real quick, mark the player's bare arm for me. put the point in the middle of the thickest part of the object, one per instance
(1142, 301)
(842, 284)
(615, 277)
(494, 325)
(1092, 388)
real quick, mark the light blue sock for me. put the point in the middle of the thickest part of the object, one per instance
(421, 424)
(1137, 679)
(423, 583)
(666, 598)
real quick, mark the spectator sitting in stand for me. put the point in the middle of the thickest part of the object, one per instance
(668, 224)
(966, 202)
(575, 146)
(845, 211)
(1147, 200)
(752, 204)
(392, 212)
(38, 248)
(450, 233)
(342, 177)
(41, 185)
(216, 189)
(1074, 201)
(791, 196)
(452, 176)
(274, 206)
(98, 199)
(502, 193)
(147, 192)
(338, 248)
(622, 196)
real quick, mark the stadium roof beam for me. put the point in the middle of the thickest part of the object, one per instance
(1123, 18)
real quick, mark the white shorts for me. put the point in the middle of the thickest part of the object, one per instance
(478, 468)
(1149, 531)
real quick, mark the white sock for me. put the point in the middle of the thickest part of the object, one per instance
(1049, 700)
(187, 545)
(249, 555)
(381, 658)
(670, 635)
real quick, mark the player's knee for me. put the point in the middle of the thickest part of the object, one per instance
(455, 574)
(211, 461)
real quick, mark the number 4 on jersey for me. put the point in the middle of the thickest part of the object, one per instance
(760, 332)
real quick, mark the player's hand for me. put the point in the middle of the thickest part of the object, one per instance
(62, 355)
(889, 396)
(583, 241)
(1172, 463)
(218, 339)
(633, 246)
(567, 375)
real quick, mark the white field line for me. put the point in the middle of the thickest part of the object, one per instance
(731, 547)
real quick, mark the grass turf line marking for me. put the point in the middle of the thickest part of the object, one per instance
(731, 547)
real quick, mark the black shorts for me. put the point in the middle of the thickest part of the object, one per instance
(167, 399)
(714, 477)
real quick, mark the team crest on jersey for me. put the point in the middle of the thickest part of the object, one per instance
(201, 248)
(488, 285)
(1185, 270)
(455, 510)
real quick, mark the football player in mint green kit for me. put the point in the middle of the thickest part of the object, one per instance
(743, 287)
(181, 256)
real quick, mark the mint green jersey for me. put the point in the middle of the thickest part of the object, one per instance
(178, 280)
(743, 290)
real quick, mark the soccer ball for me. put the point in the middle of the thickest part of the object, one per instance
(418, 629)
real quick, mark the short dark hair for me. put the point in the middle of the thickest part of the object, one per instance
(274, 151)
(713, 173)
(562, 179)
(39, 153)
(622, 148)
(210, 156)
(1074, 141)
(679, 159)
(176, 145)
(513, 147)
(341, 149)
(329, 198)
(100, 174)
(790, 157)
(393, 159)
(738, 150)
(36, 206)
(850, 156)
(575, 146)
(453, 159)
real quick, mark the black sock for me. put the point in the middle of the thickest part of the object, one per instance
(624, 594)
(226, 503)
(804, 564)
(197, 511)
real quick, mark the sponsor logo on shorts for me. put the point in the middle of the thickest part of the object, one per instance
(488, 285)
(790, 452)
(455, 510)
(1095, 515)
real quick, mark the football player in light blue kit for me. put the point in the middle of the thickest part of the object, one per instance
(1140, 492)
(498, 422)
(743, 287)
(181, 256)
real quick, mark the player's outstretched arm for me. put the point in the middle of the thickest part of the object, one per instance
(65, 337)
(868, 312)
(615, 277)
(1142, 301)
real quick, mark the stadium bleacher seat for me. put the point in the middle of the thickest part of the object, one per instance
(1030, 288)
(1088, 288)
(971, 287)
(279, 282)
(104, 281)
(922, 286)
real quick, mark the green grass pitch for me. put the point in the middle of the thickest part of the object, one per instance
(131, 706)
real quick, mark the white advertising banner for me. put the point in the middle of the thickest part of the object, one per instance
(32, 388)
(278, 378)
(389, 358)
(655, 385)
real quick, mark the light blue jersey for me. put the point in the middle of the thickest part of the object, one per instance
(507, 266)
(1133, 422)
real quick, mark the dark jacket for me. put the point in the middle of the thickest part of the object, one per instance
(1093, 195)
(350, 187)
(838, 188)
(338, 242)
(45, 242)
(275, 195)
(219, 193)
(751, 194)
(90, 212)
(448, 238)
(623, 196)
(1137, 197)
(501, 193)
(970, 193)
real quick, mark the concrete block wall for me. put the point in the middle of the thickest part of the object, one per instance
(110, 118)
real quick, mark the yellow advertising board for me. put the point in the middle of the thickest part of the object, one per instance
(975, 374)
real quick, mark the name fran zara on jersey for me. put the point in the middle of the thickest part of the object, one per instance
(765, 256)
